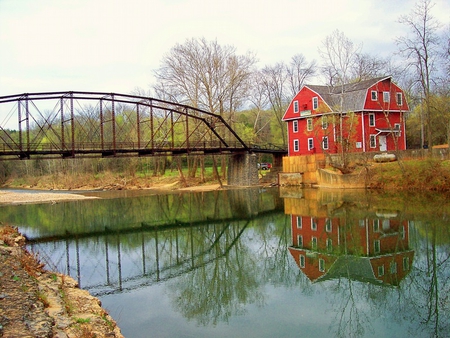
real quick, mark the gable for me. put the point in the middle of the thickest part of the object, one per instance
(302, 104)
(385, 86)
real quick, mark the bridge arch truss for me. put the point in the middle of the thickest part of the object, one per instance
(76, 124)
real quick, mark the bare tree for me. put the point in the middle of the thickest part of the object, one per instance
(367, 67)
(260, 102)
(340, 57)
(420, 48)
(299, 71)
(206, 75)
(274, 82)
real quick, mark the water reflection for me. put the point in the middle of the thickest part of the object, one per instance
(253, 263)
(357, 242)
(372, 248)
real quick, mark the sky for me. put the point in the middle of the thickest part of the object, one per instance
(114, 46)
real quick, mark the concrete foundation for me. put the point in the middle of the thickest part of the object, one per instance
(243, 170)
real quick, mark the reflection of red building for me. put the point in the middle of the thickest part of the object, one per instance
(373, 250)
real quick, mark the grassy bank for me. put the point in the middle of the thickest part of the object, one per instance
(411, 175)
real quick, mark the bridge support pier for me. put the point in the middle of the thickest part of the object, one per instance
(243, 170)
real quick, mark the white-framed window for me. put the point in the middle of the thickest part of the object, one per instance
(386, 97)
(310, 143)
(377, 246)
(313, 224)
(373, 141)
(295, 126)
(296, 110)
(371, 120)
(397, 126)
(381, 271)
(399, 98)
(296, 145)
(321, 265)
(405, 263)
(376, 225)
(402, 232)
(324, 122)
(309, 124)
(313, 242)
(325, 142)
(393, 267)
(299, 222)
(328, 225)
(300, 241)
(302, 261)
(374, 95)
(315, 101)
(329, 244)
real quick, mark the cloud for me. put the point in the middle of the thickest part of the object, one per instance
(111, 45)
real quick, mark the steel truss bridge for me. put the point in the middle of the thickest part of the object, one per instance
(81, 124)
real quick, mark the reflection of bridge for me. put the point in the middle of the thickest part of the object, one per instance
(119, 261)
(71, 124)
(162, 236)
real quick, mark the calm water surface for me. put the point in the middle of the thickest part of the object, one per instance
(254, 263)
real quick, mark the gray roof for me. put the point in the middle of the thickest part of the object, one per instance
(354, 94)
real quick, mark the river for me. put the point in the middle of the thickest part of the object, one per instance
(253, 262)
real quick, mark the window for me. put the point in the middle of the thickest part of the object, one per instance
(393, 267)
(321, 265)
(397, 126)
(371, 120)
(405, 263)
(310, 143)
(296, 145)
(374, 95)
(314, 243)
(309, 124)
(381, 271)
(373, 141)
(296, 107)
(295, 126)
(329, 244)
(386, 97)
(377, 246)
(300, 241)
(402, 232)
(299, 222)
(399, 99)
(325, 142)
(328, 226)
(315, 103)
(302, 261)
(324, 122)
(376, 225)
(313, 224)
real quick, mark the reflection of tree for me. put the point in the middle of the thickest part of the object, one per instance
(351, 319)
(216, 291)
(223, 288)
(430, 282)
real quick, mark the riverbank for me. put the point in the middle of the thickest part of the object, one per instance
(39, 303)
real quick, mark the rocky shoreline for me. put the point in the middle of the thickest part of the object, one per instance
(35, 302)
